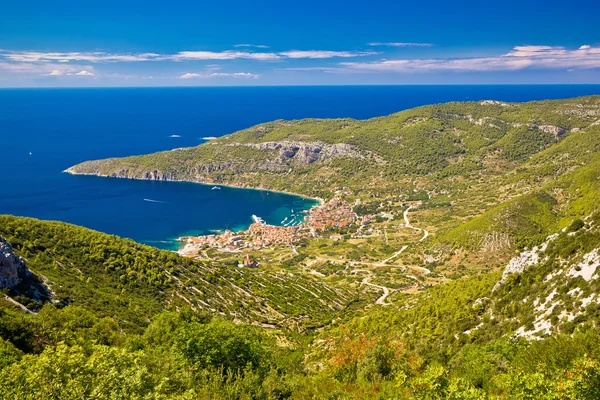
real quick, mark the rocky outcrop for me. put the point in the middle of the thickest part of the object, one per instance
(493, 103)
(305, 153)
(13, 269)
(277, 157)
(497, 123)
(557, 131)
(523, 261)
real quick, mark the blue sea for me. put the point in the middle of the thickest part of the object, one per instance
(44, 131)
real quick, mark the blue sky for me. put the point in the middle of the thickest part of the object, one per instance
(196, 43)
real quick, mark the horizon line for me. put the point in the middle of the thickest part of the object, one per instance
(282, 86)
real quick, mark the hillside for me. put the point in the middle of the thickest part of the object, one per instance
(450, 140)
(529, 332)
(455, 256)
(524, 333)
(520, 168)
(130, 283)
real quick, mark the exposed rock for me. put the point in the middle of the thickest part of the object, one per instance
(494, 241)
(586, 268)
(305, 153)
(493, 103)
(523, 261)
(480, 302)
(13, 269)
(557, 131)
(485, 121)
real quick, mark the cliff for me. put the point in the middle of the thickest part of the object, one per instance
(13, 269)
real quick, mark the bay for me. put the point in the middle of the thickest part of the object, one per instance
(45, 131)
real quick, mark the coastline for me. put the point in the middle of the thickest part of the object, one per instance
(319, 200)
(179, 239)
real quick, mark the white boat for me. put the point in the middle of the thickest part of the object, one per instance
(215, 188)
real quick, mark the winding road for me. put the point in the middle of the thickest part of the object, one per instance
(386, 291)
(381, 300)
(407, 224)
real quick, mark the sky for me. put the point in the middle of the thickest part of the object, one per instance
(198, 43)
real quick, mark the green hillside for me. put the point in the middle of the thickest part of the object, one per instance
(473, 275)
(451, 139)
(130, 283)
(480, 153)
(534, 335)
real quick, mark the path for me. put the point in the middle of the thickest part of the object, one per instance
(386, 292)
(365, 281)
(396, 254)
(407, 224)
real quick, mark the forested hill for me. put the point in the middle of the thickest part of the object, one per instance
(491, 177)
(130, 282)
(442, 141)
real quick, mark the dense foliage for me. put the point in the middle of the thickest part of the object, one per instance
(130, 282)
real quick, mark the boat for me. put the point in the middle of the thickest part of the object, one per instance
(215, 188)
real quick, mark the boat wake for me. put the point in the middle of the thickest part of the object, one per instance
(155, 201)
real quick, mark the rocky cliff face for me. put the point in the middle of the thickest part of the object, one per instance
(278, 157)
(305, 153)
(13, 269)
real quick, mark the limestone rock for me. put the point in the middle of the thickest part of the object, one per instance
(305, 153)
(13, 269)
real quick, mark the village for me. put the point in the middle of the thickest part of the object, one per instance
(331, 215)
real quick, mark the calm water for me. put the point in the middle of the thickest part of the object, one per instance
(61, 127)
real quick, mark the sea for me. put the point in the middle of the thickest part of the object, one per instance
(45, 131)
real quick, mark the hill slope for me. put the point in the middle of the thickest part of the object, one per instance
(448, 139)
(130, 282)
(483, 235)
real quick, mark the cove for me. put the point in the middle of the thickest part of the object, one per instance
(158, 212)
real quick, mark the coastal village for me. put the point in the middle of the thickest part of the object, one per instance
(331, 215)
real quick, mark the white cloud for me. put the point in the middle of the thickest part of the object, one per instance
(44, 69)
(400, 44)
(189, 76)
(219, 74)
(224, 55)
(325, 54)
(520, 57)
(258, 46)
(308, 69)
(104, 57)
(94, 57)
(233, 75)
